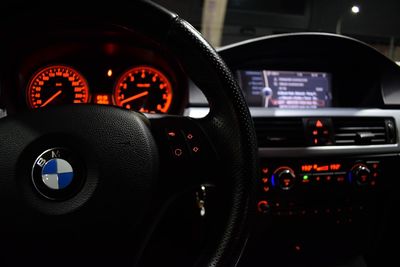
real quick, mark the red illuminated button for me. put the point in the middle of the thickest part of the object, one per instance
(174, 135)
(176, 143)
(340, 179)
(189, 136)
(195, 144)
(263, 206)
(178, 152)
(286, 181)
(318, 131)
(171, 133)
(364, 178)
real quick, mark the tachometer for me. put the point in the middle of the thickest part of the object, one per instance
(143, 89)
(57, 85)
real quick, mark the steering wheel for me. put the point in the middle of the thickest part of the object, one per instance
(83, 179)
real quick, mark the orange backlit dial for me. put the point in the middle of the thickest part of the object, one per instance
(57, 85)
(143, 89)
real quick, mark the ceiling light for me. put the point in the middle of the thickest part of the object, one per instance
(355, 9)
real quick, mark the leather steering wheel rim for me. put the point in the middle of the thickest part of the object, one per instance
(232, 114)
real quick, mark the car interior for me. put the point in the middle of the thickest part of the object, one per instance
(128, 139)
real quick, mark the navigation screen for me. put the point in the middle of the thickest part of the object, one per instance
(286, 89)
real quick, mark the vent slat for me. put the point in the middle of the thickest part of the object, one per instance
(361, 128)
(360, 131)
(345, 142)
(346, 135)
(378, 140)
(279, 132)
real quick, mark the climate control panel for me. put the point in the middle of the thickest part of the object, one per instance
(301, 185)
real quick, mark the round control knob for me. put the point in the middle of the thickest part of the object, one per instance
(263, 206)
(361, 174)
(285, 178)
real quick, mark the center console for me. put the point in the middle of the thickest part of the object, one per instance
(328, 149)
(319, 188)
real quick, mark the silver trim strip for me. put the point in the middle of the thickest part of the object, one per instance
(199, 112)
(324, 112)
(283, 35)
(315, 151)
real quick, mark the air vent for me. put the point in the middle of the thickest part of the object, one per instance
(363, 131)
(279, 132)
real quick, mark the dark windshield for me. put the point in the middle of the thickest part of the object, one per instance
(223, 22)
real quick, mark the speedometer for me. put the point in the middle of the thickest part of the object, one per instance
(143, 89)
(57, 85)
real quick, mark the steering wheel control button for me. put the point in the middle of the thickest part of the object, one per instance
(57, 174)
(184, 144)
(177, 144)
(171, 134)
(197, 144)
(179, 152)
(182, 140)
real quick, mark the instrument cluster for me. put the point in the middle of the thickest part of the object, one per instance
(140, 88)
(92, 67)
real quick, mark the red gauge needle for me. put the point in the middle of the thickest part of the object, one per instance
(51, 98)
(134, 97)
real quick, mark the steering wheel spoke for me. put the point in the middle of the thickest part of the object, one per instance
(187, 156)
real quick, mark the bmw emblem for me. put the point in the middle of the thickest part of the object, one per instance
(57, 174)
